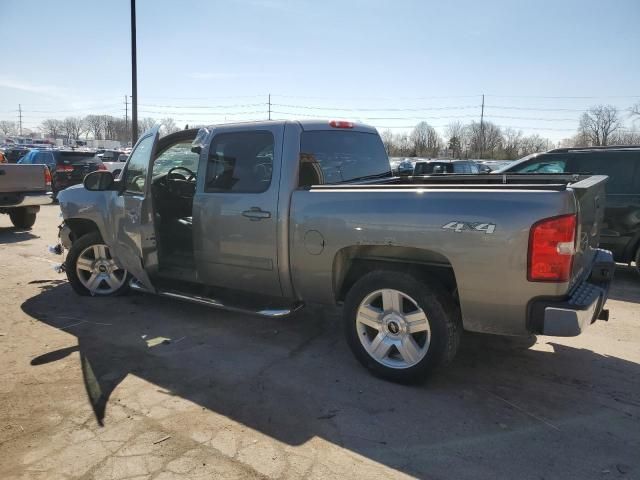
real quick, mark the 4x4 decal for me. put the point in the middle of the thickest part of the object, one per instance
(487, 228)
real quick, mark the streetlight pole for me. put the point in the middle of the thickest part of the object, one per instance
(134, 77)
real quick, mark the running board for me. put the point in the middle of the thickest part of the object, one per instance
(211, 302)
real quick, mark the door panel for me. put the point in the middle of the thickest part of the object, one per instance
(235, 210)
(135, 244)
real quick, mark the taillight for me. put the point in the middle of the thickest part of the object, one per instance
(551, 249)
(340, 124)
(102, 166)
(47, 177)
(64, 168)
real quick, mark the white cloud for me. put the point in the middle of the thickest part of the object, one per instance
(48, 90)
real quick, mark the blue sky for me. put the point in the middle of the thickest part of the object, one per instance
(390, 63)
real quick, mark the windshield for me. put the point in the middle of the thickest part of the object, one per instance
(177, 155)
(328, 156)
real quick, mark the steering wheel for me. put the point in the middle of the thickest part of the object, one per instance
(179, 185)
(190, 178)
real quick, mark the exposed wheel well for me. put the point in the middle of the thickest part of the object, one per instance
(354, 262)
(80, 227)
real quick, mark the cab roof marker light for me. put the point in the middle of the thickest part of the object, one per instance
(340, 124)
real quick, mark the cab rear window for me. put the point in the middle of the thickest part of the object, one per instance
(328, 156)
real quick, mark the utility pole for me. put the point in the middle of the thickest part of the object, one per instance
(126, 113)
(482, 128)
(134, 77)
(20, 117)
(269, 106)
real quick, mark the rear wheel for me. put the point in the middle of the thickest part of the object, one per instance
(401, 328)
(92, 270)
(22, 218)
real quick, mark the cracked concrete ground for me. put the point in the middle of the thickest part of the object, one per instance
(89, 389)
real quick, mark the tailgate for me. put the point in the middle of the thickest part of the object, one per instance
(15, 178)
(591, 199)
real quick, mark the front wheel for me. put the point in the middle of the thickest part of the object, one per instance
(400, 328)
(22, 218)
(91, 270)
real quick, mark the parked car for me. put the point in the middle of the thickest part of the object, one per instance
(23, 188)
(620, 231)
(14, 153)
(262, 217)
(431, 167)
(68, 167)
(405, 167)
(113, 160)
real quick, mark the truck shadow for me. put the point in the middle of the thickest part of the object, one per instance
(626, 285)
(294, 379)
(15, 235)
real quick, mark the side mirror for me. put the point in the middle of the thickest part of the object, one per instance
(99, 181)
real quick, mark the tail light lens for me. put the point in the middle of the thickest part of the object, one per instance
(47, 177)
(551, 249)
(64, 168)
(102, 166)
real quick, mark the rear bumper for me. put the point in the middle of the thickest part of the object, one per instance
(570, 316)
(14, 200)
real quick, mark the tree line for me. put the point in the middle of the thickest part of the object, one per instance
(98, 127)
(600, 125)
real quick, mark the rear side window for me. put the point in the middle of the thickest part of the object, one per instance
(328, 156)
(240, 162)
(544, 164)
(28, 158)
(620, 167)
(461, 167)
(433, 167)
(45, 158)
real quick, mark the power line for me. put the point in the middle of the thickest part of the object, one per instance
(342, 109)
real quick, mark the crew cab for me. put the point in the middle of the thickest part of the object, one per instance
(264, 217)
(23, 189)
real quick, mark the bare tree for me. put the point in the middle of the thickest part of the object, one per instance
(73, 127)
(512, 143)
(146, 124)
(51, 127)
(95, 125)
(598, 123)
(387, 141)
(635, 110)
(7, 127)
(425, 140)
(625, 137)
(483, 142)
(169, 125)
(455, 134)
(533, 144)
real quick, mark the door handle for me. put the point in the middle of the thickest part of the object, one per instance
(255, 213)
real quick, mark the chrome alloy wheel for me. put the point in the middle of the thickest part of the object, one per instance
(393, 329)
(98, 272)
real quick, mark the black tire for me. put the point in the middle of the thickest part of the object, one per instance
(637, 260)
(78, 246)
(22, 218)
(442, 313)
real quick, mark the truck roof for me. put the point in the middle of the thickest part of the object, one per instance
(307, 125)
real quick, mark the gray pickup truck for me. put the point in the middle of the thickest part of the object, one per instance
(23, 188)
(264, 217)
